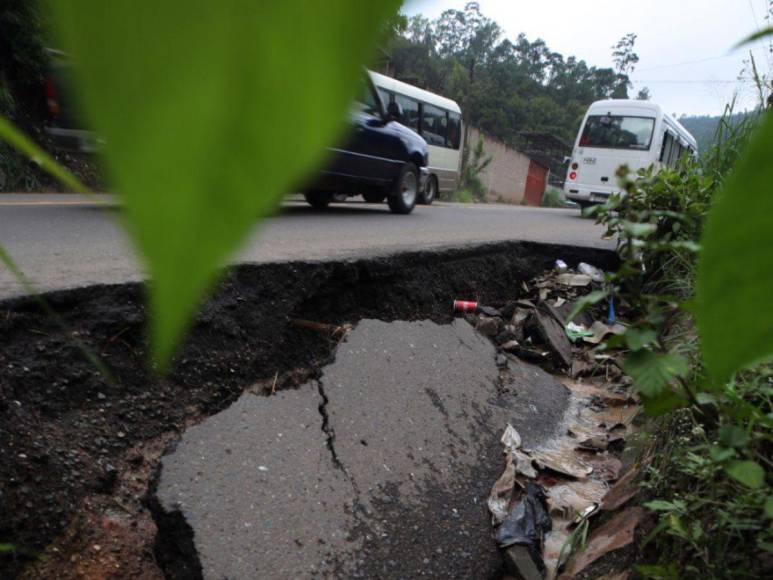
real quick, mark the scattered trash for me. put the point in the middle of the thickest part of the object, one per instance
(620, 493)
(613, 535)
(465, 306)
(489, 326)
(561, 462)
(573, 279)
(510, 346)
(522, 534)
(595, 274)
(554, 336)
(560, 266)
(611, 310)
(599, 331)
(577, 331)
(469, 306)
(559, 302)
(511, 439)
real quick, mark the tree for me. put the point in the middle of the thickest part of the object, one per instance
(625, 60)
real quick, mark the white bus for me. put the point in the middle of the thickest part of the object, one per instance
(438, 120)
(622, 132)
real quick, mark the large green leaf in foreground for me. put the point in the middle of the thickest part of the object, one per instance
(735, 276)
(211, 111)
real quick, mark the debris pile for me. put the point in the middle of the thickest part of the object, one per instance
(544, 502)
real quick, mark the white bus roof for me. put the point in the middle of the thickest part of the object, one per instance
(635, 107)
(407, 90)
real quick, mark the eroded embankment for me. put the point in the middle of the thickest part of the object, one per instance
(77, 452)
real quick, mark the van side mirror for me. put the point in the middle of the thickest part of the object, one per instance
(394, 111)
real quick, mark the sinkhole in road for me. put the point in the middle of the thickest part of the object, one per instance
(86, 491)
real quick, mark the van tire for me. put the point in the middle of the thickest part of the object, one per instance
(430, 191)
(318, 199)
(405, 190)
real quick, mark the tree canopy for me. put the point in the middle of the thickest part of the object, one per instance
(504, 87)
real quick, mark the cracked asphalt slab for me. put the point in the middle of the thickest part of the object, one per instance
(381, 468)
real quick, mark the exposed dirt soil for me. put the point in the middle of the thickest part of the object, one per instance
(78, 451)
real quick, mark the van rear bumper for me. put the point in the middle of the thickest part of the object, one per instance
(588, 193)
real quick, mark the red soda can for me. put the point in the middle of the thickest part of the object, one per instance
(465, 306)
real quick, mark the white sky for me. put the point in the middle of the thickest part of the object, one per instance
(672, 35)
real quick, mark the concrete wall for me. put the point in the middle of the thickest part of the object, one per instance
(505, 177)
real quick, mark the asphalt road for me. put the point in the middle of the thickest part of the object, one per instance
(64, 241)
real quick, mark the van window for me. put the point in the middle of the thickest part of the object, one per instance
(434, 125)
(454, 130)
(368, 101)
(386, 96)
(410, 111)
(668, 144)
(618, 132)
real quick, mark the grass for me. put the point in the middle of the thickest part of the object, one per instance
(462, 196)
(553, 197)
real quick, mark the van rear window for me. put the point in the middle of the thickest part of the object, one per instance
(618, 132)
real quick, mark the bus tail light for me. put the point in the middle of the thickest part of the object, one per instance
(575, 166)
(573, 175)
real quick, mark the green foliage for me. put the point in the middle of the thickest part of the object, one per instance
(462, 196)
(652, 372)
(473, 165)
(505, 87)
(553, 197)
(210, 115)
(735, 280)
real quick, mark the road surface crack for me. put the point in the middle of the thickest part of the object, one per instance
(328, 429)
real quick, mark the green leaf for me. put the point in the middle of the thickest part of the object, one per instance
(705, 399)
(660, 505)
(769, 507)
(733, 436)
(652, 372)
(748, 473)
(639, 230)
(663, 403)
(14, 137)
(720, 454)
(211, 112)
(756, 36)
(638, 338)
(585, 302)
(735, 274)
(4, 548)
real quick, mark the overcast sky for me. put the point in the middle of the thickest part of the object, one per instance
(672, 36)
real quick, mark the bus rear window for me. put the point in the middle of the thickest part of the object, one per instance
(618, 132)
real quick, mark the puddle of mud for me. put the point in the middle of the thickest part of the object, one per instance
(69, 438)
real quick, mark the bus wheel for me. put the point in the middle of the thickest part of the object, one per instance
(430, 191)
(373, 196)
(318, 199)
(403, 197)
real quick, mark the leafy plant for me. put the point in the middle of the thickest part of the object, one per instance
(735, 279)
(473, 165)
(211, 114)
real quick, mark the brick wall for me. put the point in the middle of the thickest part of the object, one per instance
(505, 177)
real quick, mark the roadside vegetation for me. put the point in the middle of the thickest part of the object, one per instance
(707, 478)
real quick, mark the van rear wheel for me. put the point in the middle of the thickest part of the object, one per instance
(430, 191)
(405, 191)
